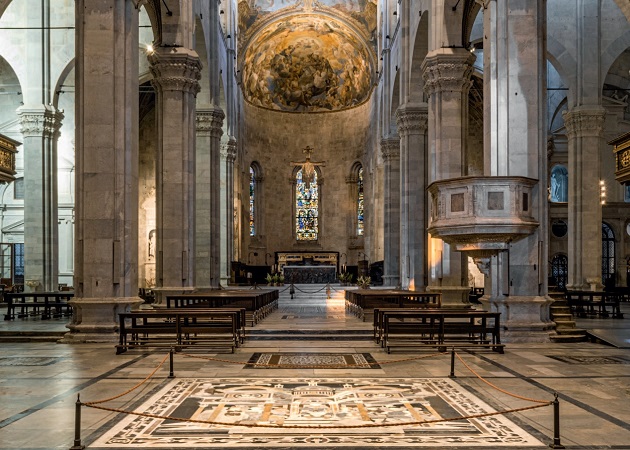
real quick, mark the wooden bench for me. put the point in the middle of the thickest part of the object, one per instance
(362, 302)
(595, 303)
(258, 303)
(42, 304)
(180, 328)
(441, 329)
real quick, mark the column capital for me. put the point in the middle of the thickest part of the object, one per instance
(584, 121)
(412, 119)
(447, 71)
(390, 148)
(209, 122)
(229, 150)
(44, 121)
(175, 69)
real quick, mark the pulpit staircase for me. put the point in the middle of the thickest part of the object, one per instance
(566, 330)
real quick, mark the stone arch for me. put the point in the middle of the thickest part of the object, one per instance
(419, 52)
(3, 6)
(563, 62)
(13, 97)
(395, 96)
(611, 53)
(63, 75)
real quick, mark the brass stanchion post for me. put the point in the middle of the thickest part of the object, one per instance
(556, 423)
(77, 425)
(170, 373)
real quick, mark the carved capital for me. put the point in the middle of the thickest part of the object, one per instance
(390, 148)
(447, 72)
(412, 120)
(584, 122)
(229, 150)
(175, 69)
(44, 122)
(209, 122)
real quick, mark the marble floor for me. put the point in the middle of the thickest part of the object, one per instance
(40, 381)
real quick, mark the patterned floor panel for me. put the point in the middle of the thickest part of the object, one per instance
(590, 360)
(312, 360)
(290, 408)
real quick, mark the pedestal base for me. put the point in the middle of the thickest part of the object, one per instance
(391, 280)
(96, 319)
(523, 319)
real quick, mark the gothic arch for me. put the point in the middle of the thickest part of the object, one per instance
(63, 76)
(614, 51)
(420, 50)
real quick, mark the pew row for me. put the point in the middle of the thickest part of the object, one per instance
(217, 328)
(42, 304)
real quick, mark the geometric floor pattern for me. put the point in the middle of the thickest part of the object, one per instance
(28, 361)
(591, 360)
(312, 360)
(310, 412)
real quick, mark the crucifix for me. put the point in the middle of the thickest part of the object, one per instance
(308, 167)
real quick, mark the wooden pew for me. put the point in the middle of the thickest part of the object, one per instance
(42, 304)
(441, 329)
(258, 303)
(180, 328)
(362, 302)
(595, 303)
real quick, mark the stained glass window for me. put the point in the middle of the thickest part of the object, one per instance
(252, 193)
(306, 208)
(360, 222)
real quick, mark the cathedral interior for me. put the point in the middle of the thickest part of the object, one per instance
(474, 149)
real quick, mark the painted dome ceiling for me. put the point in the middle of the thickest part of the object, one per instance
(307, 57)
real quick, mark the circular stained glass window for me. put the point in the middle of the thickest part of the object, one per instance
(559, 228)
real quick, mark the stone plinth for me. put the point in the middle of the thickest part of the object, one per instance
(96, 319)
(523, 319)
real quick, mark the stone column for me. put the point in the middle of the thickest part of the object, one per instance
(40, 129)
(515, 123)
(412, 128)
(227, 209)
(176, 74)
(585, 130)
(106, 138)
(447, 72)
(390, 149)
(208, 170)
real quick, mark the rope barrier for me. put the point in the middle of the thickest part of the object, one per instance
(96, 402)
(318, 427)
(498, 388)
(312, 366)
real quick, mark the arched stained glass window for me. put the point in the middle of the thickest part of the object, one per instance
(252, 197)
(360, 222)
(560, 270)
(306, 208)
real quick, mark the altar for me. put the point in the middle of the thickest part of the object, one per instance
(310, 274)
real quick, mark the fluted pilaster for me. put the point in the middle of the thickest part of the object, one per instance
(390, 149)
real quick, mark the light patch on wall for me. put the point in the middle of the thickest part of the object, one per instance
(304, 64)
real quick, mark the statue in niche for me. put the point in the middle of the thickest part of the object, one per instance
(151, 245)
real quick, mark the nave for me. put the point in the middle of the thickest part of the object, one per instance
(333, 375)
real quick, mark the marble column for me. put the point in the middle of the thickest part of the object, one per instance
(412, 128)
(40, 131)
(515, 124)
(229, 152)
(585, 130)
(106, 139)
(208, 171)
(447, 72)
(176, 72)
(390, 148)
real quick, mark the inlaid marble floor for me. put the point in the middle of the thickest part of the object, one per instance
(39, 383)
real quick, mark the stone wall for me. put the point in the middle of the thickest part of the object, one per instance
(275, 140)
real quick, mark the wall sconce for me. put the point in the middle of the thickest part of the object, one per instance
(249, 255)
(229, 36)
(395, 13)
(221, 12)
(602, 192)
